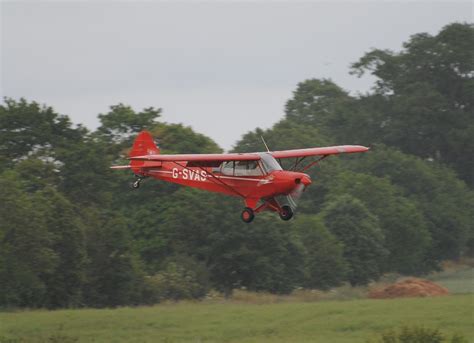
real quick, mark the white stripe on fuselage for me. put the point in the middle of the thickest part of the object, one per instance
(218, 176)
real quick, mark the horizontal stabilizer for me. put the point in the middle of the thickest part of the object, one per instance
(120, 167)
(145, 165)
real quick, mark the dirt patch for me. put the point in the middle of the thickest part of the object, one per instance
(409, 288)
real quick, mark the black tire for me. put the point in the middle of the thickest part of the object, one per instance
(286, 213)
(247, 215)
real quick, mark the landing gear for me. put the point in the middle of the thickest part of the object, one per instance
(286, 213)
(136, 183)
(247, 215)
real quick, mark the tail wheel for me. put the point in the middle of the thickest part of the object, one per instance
(286, 213)
(136, 183)
(247, 215)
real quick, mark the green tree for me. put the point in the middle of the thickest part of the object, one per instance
(113, 273)
(179, 139)
(407, 238)
(315, 102)
(359, 231)
(29, 129)
(427, 89)
(27, 256)
(286, 134)
(445, 201)
(36, 174)
(325, 266)
(263, 256)
(181, 277)
(41, 141)
(85, 174)
(121, 123)
(64, 284)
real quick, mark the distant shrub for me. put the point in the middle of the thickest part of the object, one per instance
(243, 295)
(180, 279)
(250, 297)
(9, 340)
(417, 335)
(54, 338)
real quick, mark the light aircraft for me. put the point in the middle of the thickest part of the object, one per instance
(258, 178)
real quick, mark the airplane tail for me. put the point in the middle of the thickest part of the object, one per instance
(143, 145)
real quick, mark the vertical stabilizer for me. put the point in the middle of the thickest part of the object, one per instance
(143, 145)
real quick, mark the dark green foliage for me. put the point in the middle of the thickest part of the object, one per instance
(114, 275)
(179, 139)
(325, 266)
(315, 102)
(417, 334)
(445, 201)
(26, 247)
(64, 284)
(359, 231)
(264, 256)
(28, 129)
(427, 94)
(181, 277)
(85, 173)
(286, 134)
(406, 234)
(122, 122)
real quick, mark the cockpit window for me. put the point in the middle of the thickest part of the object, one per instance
(227, 168)
(269, 162)
(241, 168)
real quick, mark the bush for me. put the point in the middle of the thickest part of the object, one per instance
(181, 279)
(417, 335)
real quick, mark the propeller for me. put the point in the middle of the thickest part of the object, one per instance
(295, 194)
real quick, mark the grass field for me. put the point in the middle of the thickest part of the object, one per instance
(324, 321)
(458, 280)
(251, 317)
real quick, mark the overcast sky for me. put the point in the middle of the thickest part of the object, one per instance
(221, 68)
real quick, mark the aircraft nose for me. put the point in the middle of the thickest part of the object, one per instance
(304, 179)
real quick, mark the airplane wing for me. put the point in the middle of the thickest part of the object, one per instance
(198, 157)
(325, 151)
(214, 160)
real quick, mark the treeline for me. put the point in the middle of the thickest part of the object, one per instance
(73, 234)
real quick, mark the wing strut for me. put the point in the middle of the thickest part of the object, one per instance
(313, 163)
(223, 183)
(297, 162)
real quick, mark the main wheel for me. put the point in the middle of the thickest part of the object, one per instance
(286, 213)
(247, 215)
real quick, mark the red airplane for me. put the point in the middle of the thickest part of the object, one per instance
(258, 178)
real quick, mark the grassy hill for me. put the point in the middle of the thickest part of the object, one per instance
(323, 321)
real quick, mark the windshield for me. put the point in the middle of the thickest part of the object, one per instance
(269, 162)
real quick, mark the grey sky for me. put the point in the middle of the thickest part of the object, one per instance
(222, 68)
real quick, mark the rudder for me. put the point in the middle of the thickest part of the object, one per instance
(143, 145)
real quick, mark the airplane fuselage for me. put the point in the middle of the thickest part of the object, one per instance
(275, 183)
